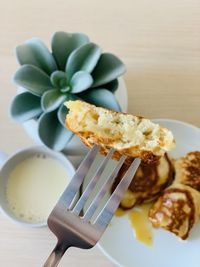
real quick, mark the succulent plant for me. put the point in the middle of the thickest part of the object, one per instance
(76, 68)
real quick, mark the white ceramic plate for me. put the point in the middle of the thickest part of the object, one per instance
(118, 242)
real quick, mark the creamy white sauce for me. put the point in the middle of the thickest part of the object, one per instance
(34, 186)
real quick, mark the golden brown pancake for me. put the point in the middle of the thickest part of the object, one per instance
(188, 170)
(149, 181)
(176, 210)
(129, 135)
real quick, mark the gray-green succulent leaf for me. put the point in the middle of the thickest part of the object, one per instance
(64, 43)
(62, 113)
(109, 68)
(33, 79)
(63, 110)
(34, 52)
(25, 106)
(101, 98)
(59, 79)
(111, 86)
(52, 99)
(83, 58)
(80, 81)
(52, 133)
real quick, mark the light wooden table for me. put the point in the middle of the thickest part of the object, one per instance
(158, 40)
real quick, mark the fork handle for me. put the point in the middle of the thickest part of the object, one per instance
(56, 255)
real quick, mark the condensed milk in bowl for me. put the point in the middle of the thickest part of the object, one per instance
(31, 182)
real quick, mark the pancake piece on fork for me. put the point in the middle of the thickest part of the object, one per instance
(129, 135)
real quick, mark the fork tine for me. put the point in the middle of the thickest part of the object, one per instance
(81, 202)
(112, 204)
(93, 206)
(73, 187)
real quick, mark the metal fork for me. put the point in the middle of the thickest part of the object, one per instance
(65, 221)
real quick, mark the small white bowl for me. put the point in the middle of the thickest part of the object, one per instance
(9, 164)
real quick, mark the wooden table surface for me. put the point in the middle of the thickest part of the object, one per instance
(159, 41)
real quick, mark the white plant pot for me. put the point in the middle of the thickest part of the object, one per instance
(75, 146)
